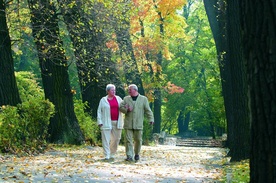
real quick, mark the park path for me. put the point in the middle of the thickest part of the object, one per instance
(158, 164)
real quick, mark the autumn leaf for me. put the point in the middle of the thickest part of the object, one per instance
(158, 163)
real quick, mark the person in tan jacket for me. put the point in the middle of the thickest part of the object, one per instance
(135, 107)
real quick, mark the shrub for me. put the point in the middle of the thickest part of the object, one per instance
(23, 128)
(88, 126)
(147, 133)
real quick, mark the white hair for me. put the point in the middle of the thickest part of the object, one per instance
(133, 86)
(109, 86)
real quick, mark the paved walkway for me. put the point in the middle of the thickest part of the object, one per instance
(161, 163)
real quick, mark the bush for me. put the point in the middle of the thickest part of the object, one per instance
(23, 128)
(88, 126)
(147, 133)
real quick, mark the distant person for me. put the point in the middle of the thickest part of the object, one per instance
(110, 120)
(134, 106)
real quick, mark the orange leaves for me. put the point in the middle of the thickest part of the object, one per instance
(149, 38)
(143, 7)
(172, 88)
(147, 45)
(112, 45)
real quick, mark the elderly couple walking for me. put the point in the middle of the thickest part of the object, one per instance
(110, 120)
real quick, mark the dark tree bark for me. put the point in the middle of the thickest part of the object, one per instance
(9, 94)
(225, 27)
(132, 74)
(259, 39)
(216, 12)
(183, 121)
(240, 145)
(95, 68)
(64, 127)
(209, 99)
(157, 79)
(157, 110)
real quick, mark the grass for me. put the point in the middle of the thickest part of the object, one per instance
(237, 172)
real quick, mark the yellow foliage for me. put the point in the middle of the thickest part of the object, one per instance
(167, 7)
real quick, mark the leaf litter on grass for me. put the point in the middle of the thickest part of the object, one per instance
(160, 163)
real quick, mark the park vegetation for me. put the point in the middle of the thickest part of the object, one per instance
(207, 67)
(74, 49)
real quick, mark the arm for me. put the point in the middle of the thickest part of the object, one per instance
(148, 111)
(123, 107)
(99, 114)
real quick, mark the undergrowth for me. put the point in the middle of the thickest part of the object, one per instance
(237, 172)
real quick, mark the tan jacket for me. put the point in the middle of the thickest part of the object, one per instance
(134, 119)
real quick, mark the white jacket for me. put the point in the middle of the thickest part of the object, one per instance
(103, 114)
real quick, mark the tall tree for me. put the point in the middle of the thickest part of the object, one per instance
(157, 76)
(217, 16)
(89, 29)
(9, 94)
(153, 19)
(226, 31)
(201, 105)
(64, 127)
(259, 39)
(240, 142)
(121, 23)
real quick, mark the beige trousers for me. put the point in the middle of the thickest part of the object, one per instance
(137, 136)
(110, 140)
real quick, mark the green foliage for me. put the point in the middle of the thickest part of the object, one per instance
(23, 47)
(237, 172)
(23, 128)
(147, 132)
(194, 67)
(88, 126)
(28, 86)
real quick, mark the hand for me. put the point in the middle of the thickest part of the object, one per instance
(151, 123)
(129, 108)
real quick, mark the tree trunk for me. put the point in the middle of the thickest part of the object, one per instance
(9, 94)
(241, 127)
(64, 127)
(130, 67)
(209, 99)
(259, 40)
(157, 110)
(157, 79)
(95, 67)
(183, 121)
(215, 10)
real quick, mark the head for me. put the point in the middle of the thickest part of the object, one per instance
(111, 89)
(133, 90)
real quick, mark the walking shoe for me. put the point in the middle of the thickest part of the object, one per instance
(105, 159)
(136, 157)
(129, 158)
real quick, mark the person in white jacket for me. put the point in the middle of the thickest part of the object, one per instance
(110, 120)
